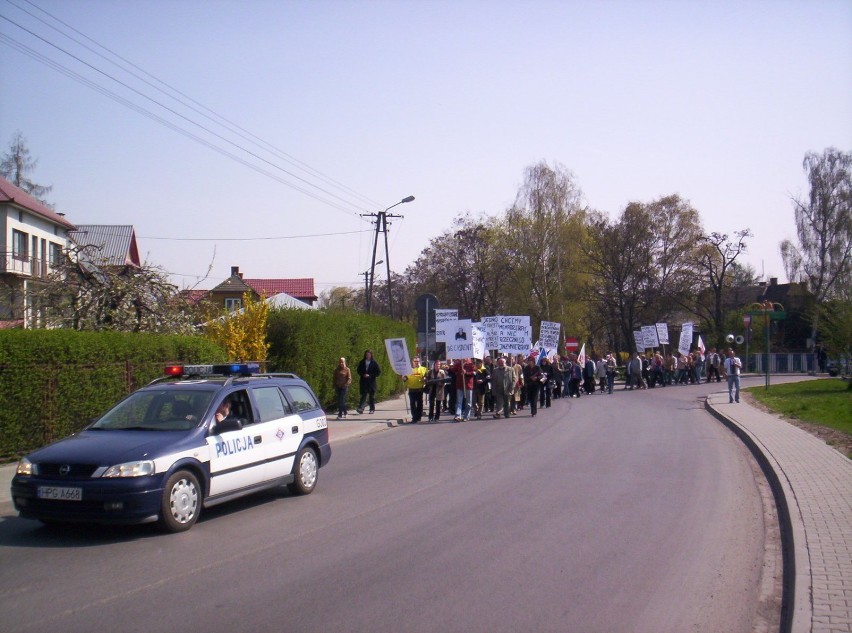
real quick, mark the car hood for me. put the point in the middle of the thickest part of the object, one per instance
(107, 448)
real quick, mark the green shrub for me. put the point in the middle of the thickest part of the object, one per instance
(310, 342)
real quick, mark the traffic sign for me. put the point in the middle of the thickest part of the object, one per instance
(571, 344)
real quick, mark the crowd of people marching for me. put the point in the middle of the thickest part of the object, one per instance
(472, 388)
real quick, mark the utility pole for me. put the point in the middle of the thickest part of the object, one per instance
(382, 227)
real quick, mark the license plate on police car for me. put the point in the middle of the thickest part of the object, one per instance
(59, 493)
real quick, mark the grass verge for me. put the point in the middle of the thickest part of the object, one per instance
(826, 403)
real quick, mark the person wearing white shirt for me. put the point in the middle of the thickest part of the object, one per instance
(733, 366)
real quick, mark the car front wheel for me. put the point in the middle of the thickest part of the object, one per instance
(181, 502)
(305, 469)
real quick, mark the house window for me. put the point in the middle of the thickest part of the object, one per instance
(19, 244)
(55, 255)
(233, 304)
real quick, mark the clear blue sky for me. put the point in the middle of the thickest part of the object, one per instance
(446, 101)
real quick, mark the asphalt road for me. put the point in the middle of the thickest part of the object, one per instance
(633, 512)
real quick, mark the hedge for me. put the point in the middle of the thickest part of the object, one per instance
(52, 382)
(310, 343)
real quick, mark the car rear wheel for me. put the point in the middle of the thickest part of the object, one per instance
(305, 469)
(181, 502)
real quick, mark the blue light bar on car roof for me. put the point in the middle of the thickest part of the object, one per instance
(231, 369)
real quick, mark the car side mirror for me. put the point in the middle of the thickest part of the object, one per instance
(226, 425)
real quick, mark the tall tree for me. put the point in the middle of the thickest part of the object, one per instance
(823, 256)
(676, 233)
(543, 230)
(460, 267)
(619, 260)
(17, 164)
(717, 256)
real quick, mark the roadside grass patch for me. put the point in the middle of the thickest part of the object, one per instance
(827, 402)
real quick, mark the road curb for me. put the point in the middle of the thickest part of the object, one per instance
(796, 607)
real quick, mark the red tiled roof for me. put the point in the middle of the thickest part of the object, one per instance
(194, 296)
(16, 195)
(299, 288)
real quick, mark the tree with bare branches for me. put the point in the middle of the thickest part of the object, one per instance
(823, 257)
(717, 255)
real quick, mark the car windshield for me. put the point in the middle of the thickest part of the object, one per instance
(157, 410)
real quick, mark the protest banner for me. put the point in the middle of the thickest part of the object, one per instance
(442, 318)
(397, 350)
(649, 337)
(639, 340)
(515, 334)
(685, 338)
(478, 333)
(491, 325)
(460, 344)
(549, 334)
(663, 333)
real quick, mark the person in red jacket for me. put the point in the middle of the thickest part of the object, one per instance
(463, 373)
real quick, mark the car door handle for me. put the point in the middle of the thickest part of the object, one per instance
(295, 429)
(258, 439)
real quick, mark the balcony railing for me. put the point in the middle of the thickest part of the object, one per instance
(25, 266)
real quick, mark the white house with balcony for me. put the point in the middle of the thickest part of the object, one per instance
(32, 240)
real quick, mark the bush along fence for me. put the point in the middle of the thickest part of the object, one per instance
(310, 342)
(53, 382)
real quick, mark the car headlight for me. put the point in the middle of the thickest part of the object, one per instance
(26, 467)
(130, 469)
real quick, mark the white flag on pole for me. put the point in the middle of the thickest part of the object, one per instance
(582, 357)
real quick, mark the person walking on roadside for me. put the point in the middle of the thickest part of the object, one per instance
(733, 366)
(502, 387)
(546, 390)
(600, 374)
(517, 402)
(576, 377)
(416, 382)
(532, 380)
(341, 381)
(436, 380)
(589, 375)
(480, 387)
(713, 363)
(634, 373)
(463, 373)
(611, 366)
(368, 371)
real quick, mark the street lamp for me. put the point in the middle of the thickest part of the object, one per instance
(382, 227)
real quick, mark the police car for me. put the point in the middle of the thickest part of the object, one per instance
(200, 436)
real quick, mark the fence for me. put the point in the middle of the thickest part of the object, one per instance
(782, 363)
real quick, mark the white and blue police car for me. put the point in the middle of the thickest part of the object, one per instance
(200, 436)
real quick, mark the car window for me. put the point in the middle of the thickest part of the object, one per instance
(241, 407)
(301, 397)
(156, 410)
(270, 403)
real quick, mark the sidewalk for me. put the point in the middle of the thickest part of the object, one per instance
(388, 414)
(812, 483)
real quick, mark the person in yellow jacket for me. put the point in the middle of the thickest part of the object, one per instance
(416, 382)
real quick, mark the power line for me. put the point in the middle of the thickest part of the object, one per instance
(158, 119)
(234, 128)
(178, 114)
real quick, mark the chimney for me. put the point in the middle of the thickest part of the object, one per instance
(761, 284)
(773, 281)
(235, 272)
